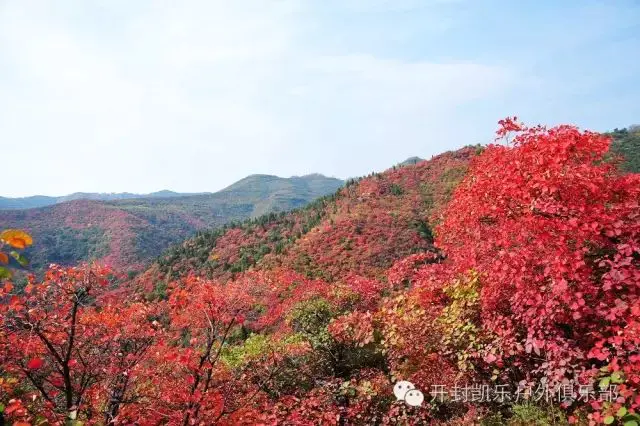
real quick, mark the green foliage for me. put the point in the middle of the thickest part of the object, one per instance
(304, 264)
(530, 414)
(479, 148)
(493, 419)
(452, 177)
(68, 246)
(253, 346)
(626, 143)
(526, 414)
(425, 231)
(396, 189)
(409, 162)
(310, 319)
(160, 289)
(427, 195)
(460, 320)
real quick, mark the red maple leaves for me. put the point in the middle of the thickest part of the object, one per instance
(554, 230)
(35, 363)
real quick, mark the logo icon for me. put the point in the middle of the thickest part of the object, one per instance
(407, 392)
(414, 398)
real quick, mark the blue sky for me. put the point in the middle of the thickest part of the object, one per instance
(137, 96)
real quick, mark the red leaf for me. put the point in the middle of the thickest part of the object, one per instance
(35, 363)
(490, 358)
(14, 405)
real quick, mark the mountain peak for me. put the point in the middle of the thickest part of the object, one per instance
(410, 161)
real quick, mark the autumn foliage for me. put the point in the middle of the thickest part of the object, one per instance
(517, 263)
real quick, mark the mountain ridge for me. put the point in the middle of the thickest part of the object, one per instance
(35, 201)
(130, 232)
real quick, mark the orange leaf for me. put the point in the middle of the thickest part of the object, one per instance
(4, 258)
(35, 363)
(16, 238)
(8, 287)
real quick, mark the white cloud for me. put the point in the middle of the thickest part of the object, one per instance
(193, 95)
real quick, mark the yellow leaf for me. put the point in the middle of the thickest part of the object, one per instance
(16, 238)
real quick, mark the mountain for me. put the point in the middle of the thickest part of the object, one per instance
(335, 235)
(356, 277)
(361, 229)
(273, 190)
(128, 232)
(43, 200)
(411, 160)
(26, 202)
(495, 267)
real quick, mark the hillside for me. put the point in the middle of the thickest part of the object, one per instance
(451, 291)
(433, 272)
(363, 228)
(127, 233)
(626, 142)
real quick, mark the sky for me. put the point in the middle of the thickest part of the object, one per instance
(138, 96)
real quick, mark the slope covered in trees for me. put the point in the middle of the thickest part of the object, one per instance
(503, 283)
(128, 233)
(626, 143)
(362, 228)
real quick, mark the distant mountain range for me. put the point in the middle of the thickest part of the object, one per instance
(127, 230)
(43, 200)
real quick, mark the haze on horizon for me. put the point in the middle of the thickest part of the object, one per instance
(125, 96)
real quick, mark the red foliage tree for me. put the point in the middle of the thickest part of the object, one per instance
(554, 230)
(75, 350)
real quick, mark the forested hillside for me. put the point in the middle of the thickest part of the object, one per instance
(626, 143)
(495, 285)
(128, 233)
(362, 228)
